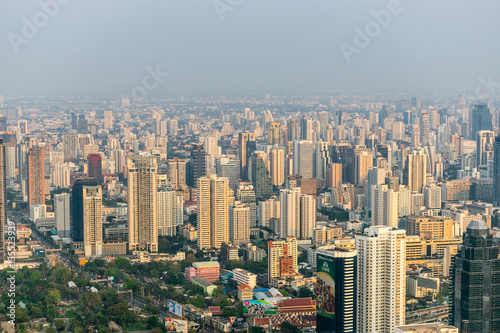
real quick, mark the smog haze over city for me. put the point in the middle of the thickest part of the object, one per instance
(247, 47)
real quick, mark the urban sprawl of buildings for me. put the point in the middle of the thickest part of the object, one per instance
(330, 214)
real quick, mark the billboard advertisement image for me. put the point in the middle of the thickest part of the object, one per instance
(174, 308)
(325, 286)
(252, 306)
(176, 325)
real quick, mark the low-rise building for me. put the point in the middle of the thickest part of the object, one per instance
(245, 292)
(23, 232)
(207, 286)
(242, 276)
(209, 270)
(422, 285)
(189, 232)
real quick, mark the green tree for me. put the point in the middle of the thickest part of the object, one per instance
(198, 301)
(153, 322)
(286, 327)
(305, 292)
(256, 329)
(152, 309)
(59, 324)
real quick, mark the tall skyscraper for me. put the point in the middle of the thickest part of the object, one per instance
(334, 174)
(475, 282)
(167, 212)
(385, 203)
(198, 164)
(92, 220)
(290, 212)
(425, 127)
(484, 147)
(142, 203)
(303, 154)
(293, 130)
(86, 209)
(381, 280)
(496, 172)
(307, 216)
(336, 289)
(306, 131)
(275, 134)
(94, 167)
(260, 176)
(246, 194)
(297, 214)
(229, 168)
(415, 172)
(278, 165)
(481, 119)
(3, 200)
(213, 212)
(239, 223)
(36, 176)
(108, 119)
(282, 259)
(322, 159)
(62, 214)
(74, 121)
(363, 161)
(176, 170)
(247, 145)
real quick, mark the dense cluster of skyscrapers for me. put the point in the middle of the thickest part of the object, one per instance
(366, 193)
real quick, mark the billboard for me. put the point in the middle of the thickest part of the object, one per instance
(325, 286)
(252, 306)
(176, 325)
(174, 308)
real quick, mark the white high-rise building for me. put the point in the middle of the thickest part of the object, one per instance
(167, 211)
(384, 206)
(239, 223)
(179, 207)
(290, 212)
(62, 214)
(268, 209)
(303, 158)
(307, 216)
(108, 119)
(37, 211)
(432, 196)
(404, 201)
(297, 213)
(381, 279)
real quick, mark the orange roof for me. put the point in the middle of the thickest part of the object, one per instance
(244, 286)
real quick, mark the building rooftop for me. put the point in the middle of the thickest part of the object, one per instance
(202, 281)
(206, 264)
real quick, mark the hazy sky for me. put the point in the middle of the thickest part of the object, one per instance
(106, 46)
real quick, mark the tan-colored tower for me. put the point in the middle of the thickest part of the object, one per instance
(176, 169)
(275, 134)
(213, 211)
(278, 165)
(36, 176)
(142, 203)
(92, 220)
(334, 174)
